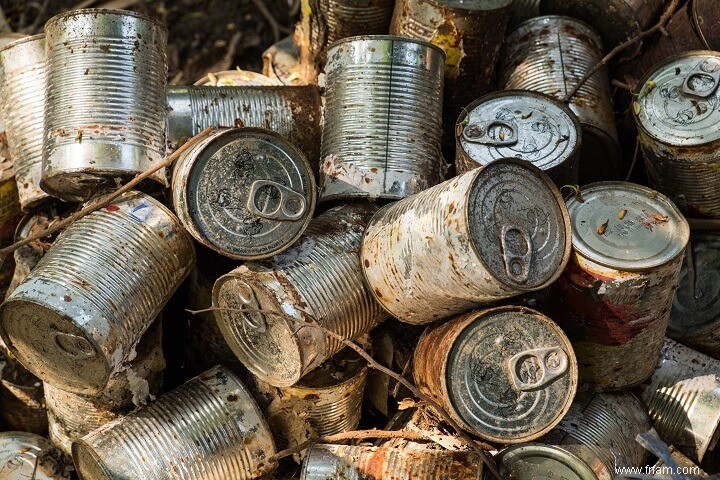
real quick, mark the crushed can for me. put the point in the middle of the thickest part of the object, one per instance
(28, 456)
(105, 101)
(383, 118)
(236, 78)
(489, 234)
(507, 374)
(281, 62)
(530, 461)
(22, 406)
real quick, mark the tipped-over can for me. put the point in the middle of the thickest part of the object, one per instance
(22, 406)
(530, 461)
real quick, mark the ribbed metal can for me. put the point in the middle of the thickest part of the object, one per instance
(380, 463)
(678, 124)
(683, 399)
(551, 54)
(486, 235)
(281, 62)
(22, 406)
(78, 314)
(383, 118)
(530, 461)
(209, 428)
(522, 10)
(614, 298)
(506, 374)
(292, 111)
(317, 280)
(105, 100)
(27, 456)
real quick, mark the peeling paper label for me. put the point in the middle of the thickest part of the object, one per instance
(450, 40)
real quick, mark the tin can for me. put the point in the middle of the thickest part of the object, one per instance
(706, 19)
(379, 463)
(77, 316)
(522, 124)
(683, 399)
(105, 101)
(317, 280)
(22, 405)
(615, 295)
(22, 104)
(209, 428)
(530, 461)
(507, 374)
(522, 10)
(281, 62)
(679, 132)
(27, 456)
(551, 54)
(686, 466)
(236, 78)
(486, 235)
(9, 216)
(383, 118)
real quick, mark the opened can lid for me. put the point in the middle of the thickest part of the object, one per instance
(21, 459)
(534, 460)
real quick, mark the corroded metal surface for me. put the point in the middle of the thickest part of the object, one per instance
(105, 100)
(530, 461)
(77, 315)
(383, 118)
(486, 235)
(22, 406)
(522, 10)
(207, 429)
(26, 456)
(506, 374)
(705, 18)
(10, 215)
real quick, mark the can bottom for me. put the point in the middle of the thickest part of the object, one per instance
(88, 464)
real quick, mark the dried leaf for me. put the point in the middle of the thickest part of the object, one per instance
(526, 116)
(648, 225)
(622, 213)
(406, 403)
(601, 229)
(659, 218)
(562, 139)
(502, 136)
(653, 194)
(636, 108)
(78, 137)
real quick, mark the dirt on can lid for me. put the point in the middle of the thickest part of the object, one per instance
(25, 455)
(533, 460)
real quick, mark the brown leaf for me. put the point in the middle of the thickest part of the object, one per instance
(406, 403)
(659, 218)
(601, 229)
(622, 213)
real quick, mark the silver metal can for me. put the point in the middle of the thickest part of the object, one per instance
(317, 280)
(614, 298)
(551, 54)
(683, 399)
(27, 456)
(383, 118)
(105, 100)
(507, 374)
(245, 193)
(520, 124)
(22, 406)
(281, 62)
(379, 463)
(487, 235)
(209, 428)
(79, 313)
(530, 461)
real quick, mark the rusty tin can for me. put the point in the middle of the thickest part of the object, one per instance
(10, 216)
(706, 19)
(281, 62)
(236, 78)
(292, 111)
(522, 10)
(22, 405)
(27, 456)
(79, 313)
(245, 193)
(615, 295)
(22, 104)
(531, 461)
(551, 54)
(317, 280)
(105, 100)
(487, 235)
(520, 124)
(209, 428)
(507, 374)
(683, 400)
(679, 127)
(380, 463)
(383, 118)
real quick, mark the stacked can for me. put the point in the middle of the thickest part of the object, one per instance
(25, 455)
(22, 406)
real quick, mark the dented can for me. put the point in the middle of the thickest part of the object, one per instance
(486, 235)
(22, 406)
(551, 54)
(105, 101)
(380, 463)
(77, 315)
(383, 118)
(209, 428)
(27, 456)
(683, 399)
(281, 62)
(236, 78)
(317, 280)
(530, 461)
(679, 130)
(527, 125)
(507, 374)
(245, 193)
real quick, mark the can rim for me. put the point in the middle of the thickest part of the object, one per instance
(387, 38)
(21, 40)
(554, 452)
(356, 377)
(565, 18)
(696, 24)
(105, 11)
(468, 9)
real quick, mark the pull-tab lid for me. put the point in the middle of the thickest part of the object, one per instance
(678, 100)
(627, 227)
(511, 374)
(534, 461)
(25, 456)
(521, 124)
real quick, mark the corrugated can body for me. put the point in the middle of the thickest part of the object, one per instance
(376, 463)
(97, 290)
(486, 235)
(22, 103)
(21, 399)
(683, 399)
(105, 94)
(383, 118)
(550, 55)
(207, 429)
(318, 279)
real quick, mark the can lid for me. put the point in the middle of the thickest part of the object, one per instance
(678, 100)
(651, 232)
(19, 453)
(521, 124)
(534, 460)
(518, 223)
(511, 374)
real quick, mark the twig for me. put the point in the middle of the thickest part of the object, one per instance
(634, 159)
(406, 368)
(622, 85)
(32, 29)
(660, 26)
(274, 25)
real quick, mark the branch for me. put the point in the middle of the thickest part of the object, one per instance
(634, 159)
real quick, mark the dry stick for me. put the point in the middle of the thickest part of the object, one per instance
(660, 26)
(634, 159)
(274, 25)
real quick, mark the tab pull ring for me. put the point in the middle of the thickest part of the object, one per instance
(517, 266)
(540, 366)
(703, 80)
(481, 133)
(291, 207)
